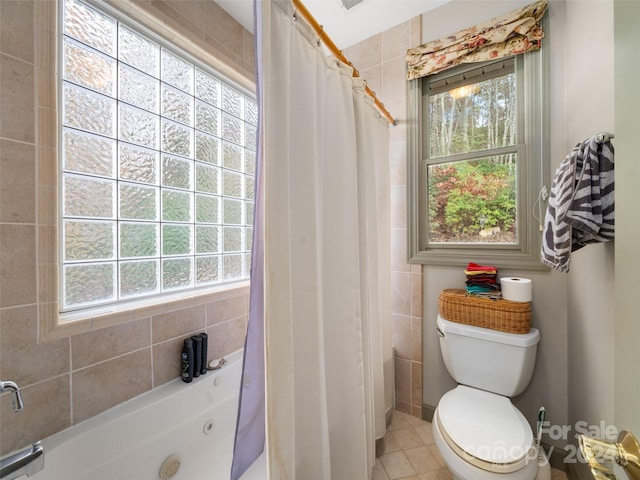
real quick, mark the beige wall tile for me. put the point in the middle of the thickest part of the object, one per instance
(150, 311)
(46, 411)
(398, 134)
(223, 28)
(16, 28)
(47, 127)
(17, 264)
(403, 407)
(17, 182)
(178, 323)
(100, 345)
(47, 209)
(47, 167)
(17, 113)
(171, 13)
(416, 411)
(111, 319)
(398, 164)
(403, 380)
(22, 359)
(47, 283)
(416, 383)
(398, 206)
(401, 293)
(401, 335)
(128, 376)
(191, 10)
(46, 53)
(166, 361)
(47, 244)
(398, 109)
(416, 339)
(249, 51)
(224, 52)
(52, 329)
(227, 337)
(399, 250)
(226, 309)
(394, 80)
(395, 41)
(416, 294)
(367, 53)
(373, 77)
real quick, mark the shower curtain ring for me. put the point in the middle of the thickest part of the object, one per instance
(320, 34)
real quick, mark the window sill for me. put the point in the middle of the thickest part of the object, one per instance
(54, 325)
(505, 260)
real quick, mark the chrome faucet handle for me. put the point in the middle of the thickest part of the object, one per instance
(625, 452)
(17, 402)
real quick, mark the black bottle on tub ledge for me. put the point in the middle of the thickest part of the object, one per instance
(197, 354)
(187, 360)
(205, 347)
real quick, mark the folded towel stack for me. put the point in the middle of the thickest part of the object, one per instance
(482, 281)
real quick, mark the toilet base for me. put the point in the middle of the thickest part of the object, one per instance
(462, 470)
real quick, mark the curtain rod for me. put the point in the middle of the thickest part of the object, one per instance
(319, 29)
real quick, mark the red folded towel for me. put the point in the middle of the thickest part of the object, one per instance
(474, 267)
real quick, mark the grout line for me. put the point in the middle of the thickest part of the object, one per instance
(71, 419)
(151, 344)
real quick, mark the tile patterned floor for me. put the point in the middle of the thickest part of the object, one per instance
(411, 454)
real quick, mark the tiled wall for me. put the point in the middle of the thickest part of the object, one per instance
(381, 61)
(71, 373)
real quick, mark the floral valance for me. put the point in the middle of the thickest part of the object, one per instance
(510, 34)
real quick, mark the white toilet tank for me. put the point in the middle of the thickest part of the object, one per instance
(490, 360)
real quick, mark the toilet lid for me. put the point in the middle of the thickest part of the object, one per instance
(485, 429)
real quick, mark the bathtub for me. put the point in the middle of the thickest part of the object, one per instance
(193, 423)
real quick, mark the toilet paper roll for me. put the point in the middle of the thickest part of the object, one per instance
(516, 289)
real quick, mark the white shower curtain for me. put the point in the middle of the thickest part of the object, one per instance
(327, 267)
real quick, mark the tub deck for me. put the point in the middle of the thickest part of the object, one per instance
(194, 421)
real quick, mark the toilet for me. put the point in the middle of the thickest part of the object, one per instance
(479, 432)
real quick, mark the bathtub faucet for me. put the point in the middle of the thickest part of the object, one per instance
(26, 462)
(18, 404)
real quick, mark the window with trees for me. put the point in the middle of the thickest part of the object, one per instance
(157, 158)
(471, 154)
(476, 163)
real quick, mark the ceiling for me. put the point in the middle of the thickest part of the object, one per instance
(345, 27)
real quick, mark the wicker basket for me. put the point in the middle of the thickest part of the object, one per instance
(513, 317)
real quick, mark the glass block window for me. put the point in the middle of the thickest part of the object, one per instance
(158, 160)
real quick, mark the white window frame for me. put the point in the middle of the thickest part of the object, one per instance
(159, 297)
(533, 168)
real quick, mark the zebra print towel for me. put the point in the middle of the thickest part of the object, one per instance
(581, 203)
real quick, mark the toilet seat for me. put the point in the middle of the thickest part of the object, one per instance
(485, 429)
